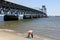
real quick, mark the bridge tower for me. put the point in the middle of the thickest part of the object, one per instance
(44, 8)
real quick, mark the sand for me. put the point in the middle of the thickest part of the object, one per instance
(6, 34)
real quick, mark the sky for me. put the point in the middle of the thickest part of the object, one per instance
(53, 6)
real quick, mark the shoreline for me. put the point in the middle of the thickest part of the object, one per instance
(6, 34)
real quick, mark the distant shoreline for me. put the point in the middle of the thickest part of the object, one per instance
(53, 16)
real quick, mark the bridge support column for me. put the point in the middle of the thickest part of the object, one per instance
(31, 17)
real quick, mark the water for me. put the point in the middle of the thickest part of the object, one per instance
(46, 27)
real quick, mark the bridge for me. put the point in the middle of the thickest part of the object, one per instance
(9, 8)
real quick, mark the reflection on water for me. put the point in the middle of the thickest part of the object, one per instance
(47, 27)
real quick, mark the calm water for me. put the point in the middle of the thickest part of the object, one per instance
(46, 27)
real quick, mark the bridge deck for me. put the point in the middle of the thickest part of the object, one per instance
(16, 6)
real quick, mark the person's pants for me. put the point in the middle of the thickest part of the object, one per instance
(29, 35)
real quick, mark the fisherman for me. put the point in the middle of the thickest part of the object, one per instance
(30, 34)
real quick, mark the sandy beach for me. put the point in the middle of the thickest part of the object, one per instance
(6, 34)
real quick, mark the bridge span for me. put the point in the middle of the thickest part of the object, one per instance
(9, 8)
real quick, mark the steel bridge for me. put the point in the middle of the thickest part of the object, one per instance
(9, 8)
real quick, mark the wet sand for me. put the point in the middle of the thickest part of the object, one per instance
(6, 34)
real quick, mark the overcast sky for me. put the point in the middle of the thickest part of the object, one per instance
(53, 6)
